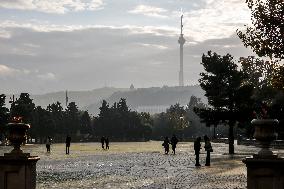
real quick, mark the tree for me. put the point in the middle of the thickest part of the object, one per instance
(42, 124)
(23, 107)
(195, 127)
(56, 114)
(176, 114)
(119, 122)
(266, 37)
(221, 81)
(85, 123)
(72, 118)
(260, 74)
(161, 126)
(278, 79)
(4, 114)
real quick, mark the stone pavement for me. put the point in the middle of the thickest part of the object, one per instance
(141, 170)
(140, 166)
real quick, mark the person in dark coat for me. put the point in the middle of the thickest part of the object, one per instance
(103, 142)
(68, 143)
(197, 147)
(107, 143)
(48, 143)
(208, 148)
(166, 145)
(174, 142)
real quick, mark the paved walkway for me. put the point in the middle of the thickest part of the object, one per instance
(139, 166)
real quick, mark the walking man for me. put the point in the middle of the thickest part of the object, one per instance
(48, 144)
(197, 147)
(166, 145)
(103, 142)
(107, 143)
(68, 142)
(174, 142)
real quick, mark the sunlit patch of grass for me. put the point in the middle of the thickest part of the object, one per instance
(85, 149)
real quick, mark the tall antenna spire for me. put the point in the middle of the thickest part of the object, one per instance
(181, 25)
(181, 42)
(66, 98)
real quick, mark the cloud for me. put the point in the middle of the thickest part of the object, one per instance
(217, 19)
(149, 11)
(88, 58)
(7, 71)
(23, 73)
(52, 6)
(4, 34)
(47, 76)
(162, 47)
(9, 26)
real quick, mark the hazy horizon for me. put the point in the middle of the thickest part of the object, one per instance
(49, 46)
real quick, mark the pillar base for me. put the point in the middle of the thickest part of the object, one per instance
(265, 173)
(18, 171)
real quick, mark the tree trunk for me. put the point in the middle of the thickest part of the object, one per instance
(231, 138)
(214, 132)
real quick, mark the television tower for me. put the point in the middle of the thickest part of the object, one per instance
(181, 42)
(66, 98)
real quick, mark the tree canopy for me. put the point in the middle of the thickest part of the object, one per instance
(266, 36)
(221, 82)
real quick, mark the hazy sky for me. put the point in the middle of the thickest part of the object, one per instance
(51, 45)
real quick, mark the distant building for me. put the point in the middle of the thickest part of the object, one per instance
(131, 87)
(152, 109)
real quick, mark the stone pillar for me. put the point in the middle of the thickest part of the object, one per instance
(265, 173)
(18, 172)
(17, 169)
(265, 170)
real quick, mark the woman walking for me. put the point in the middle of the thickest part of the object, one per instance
(208, 149)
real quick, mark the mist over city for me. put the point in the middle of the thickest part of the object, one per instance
(140, 94)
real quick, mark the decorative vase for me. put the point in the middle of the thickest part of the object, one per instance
(265, 133)
(17, 133)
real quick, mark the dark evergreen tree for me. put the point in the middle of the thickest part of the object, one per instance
(72, 119)
(4, 112)
(221, 81)
(57, 117)
(4, 115)
(42, 124)
(85, 121)
(23, 107)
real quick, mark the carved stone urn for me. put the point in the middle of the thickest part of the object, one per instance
(17, 133)
(265, 133)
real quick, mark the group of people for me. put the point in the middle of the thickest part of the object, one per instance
(49, 141)
(167, 142)
(197, 147)
(105, 141)
(208, 148)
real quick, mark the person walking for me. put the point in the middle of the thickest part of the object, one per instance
(48, 144)
(174, 142)
(107, 143)
(68, 143)
(103, 142)
(197, 147)
(166, 145)
(208, 149)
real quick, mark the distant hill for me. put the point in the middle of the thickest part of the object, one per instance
(82, 98)
(154, 99)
